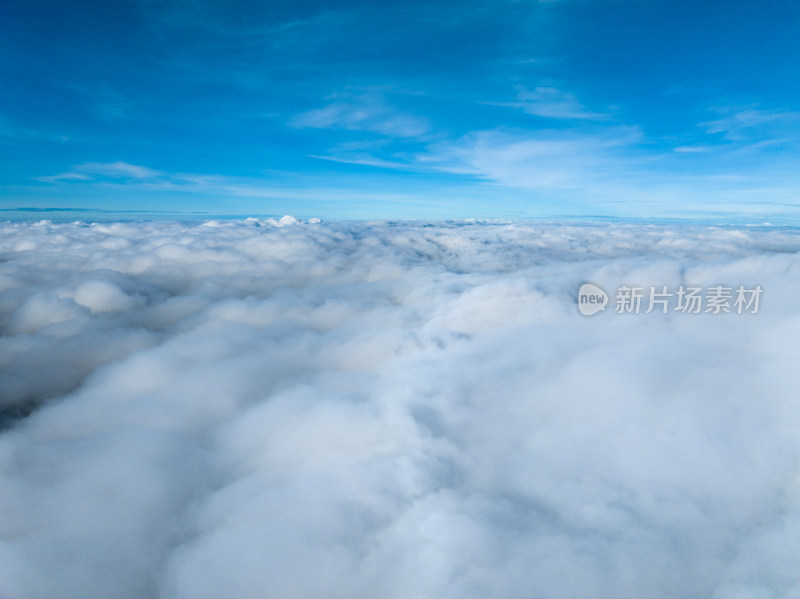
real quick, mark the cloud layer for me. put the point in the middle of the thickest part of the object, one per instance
(297, 409)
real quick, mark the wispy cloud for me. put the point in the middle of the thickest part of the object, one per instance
(543, 160)
(365, 160)
(550, 101)
(104, 171)
(692, 149)
(131, 176)
(364, 112)
(742, 124)
(546, 168)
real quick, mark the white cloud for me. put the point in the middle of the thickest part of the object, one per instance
(552, 102)
(118, 170)
(295, 409)
(365, 112)
(130, 176)
(692, 149)
(743, 124)
(365, 160)
(540, 160)
(103, 171)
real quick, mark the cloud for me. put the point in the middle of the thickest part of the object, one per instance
(121, 174)
(105, 171)
(551, 102)
(551, 152)
(366, 160)
(118, 170)
(366, 112)
(298, 409)
(747, 123)
(539, 160)
(692, 149)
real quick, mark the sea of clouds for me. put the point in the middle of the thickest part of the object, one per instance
(296, 409)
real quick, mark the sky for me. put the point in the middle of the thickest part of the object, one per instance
(625, 108)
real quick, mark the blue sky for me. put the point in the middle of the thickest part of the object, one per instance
(403, 109)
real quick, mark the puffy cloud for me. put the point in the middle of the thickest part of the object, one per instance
(301, 409)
